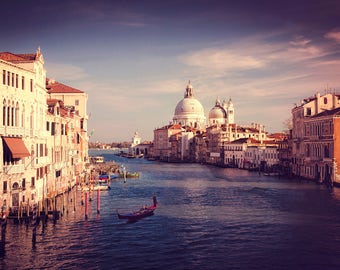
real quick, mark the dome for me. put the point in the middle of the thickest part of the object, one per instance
(189, 111)
(188, 106)
(217, 112)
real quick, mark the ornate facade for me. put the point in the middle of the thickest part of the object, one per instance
(39, 157)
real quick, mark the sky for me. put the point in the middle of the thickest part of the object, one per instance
(134, 59)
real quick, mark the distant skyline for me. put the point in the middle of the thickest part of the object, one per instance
(135, 58)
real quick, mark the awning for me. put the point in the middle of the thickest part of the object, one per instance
(17, 147)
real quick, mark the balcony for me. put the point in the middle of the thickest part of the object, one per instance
(14, 168)
(42, 161)
(12, 131)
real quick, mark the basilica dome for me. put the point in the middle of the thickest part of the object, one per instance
(189, 111)
(217, 112)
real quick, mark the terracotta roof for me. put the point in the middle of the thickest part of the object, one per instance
(278, 136)
(11, 57)
(57, 87)
(52, 101)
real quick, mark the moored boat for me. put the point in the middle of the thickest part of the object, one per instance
(98, 186)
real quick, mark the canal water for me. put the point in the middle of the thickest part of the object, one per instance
(207, 218)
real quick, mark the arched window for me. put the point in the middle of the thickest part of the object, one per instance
(32, 119)
(8, 113)
(16, 115)
(23, 116)
(15, 186)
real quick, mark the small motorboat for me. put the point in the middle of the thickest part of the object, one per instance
(141, 213)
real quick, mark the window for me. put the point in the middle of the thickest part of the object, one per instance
(308, 111)
(23, 185)
(32, 182)
(23, 83)
(31, 85)
(8, 78)
(48, 126)
(76, 102)
(16, 80)
(5, 186)
(13, 79)
(4, 114)
(326, 151)
(53, 129)
(41, 150)
(4, 77)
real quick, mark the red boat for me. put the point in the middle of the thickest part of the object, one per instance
(143, 212)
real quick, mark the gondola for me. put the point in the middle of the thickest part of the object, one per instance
(141, 213)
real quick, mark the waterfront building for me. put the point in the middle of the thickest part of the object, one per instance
(62, 144)
(220, 135)
(136, 140)
(248, 153)
(76, 101)
(316, 127)
(161, 143)
(144, 149)
(235, 151)
(200, 147)
(23, 95)
(182, 146)
(39, 149)
(138, 148)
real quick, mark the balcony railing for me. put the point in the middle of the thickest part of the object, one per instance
(14, 168)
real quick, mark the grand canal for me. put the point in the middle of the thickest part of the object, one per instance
(207, 218)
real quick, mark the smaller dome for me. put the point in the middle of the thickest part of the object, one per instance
(217, 113)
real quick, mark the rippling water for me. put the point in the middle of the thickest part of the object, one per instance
(207, 218)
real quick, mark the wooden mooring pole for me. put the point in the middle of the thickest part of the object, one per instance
(34, 223)
(86, 205)
(98, 201)
(3, 231)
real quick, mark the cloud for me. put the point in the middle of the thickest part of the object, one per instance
(254, 53)
(300, 41)
(68, 73)
(334, 35)
(222, 58)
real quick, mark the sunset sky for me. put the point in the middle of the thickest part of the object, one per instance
(135, 58)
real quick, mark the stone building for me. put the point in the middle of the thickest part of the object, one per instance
(38, 157)
(74, 100)
(315, 153)
(22, 128)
